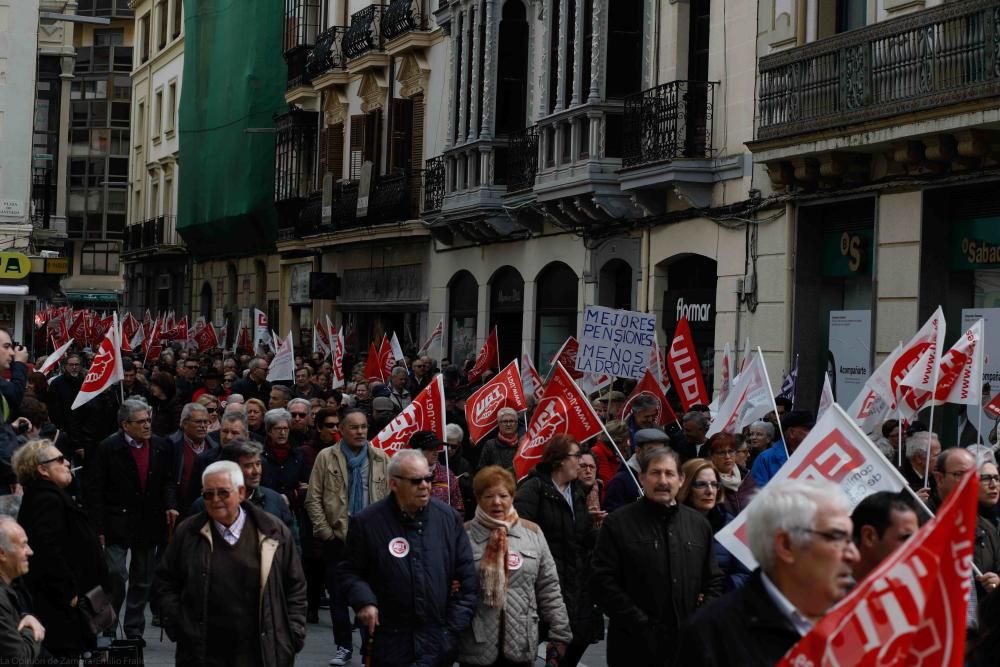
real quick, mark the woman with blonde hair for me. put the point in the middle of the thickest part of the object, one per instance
(212, 406)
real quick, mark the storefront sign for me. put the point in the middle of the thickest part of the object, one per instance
(850, 352)
(14, 265)
(11, 207)
(299, 288)
(615, 342)
(847, 254)
(384, 283)
(974, 244)
(58, 265)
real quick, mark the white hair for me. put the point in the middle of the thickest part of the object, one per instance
(506, 411)
(789, 506)
(231, 468)
(919, 443)
(401, 457)
(983, 454)
(453, 432)
(767, 427)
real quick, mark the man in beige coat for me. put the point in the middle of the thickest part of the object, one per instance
(346, 478)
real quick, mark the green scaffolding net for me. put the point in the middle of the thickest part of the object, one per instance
(234, 82)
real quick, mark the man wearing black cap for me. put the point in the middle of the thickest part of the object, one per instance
(445, 486)
(796, 426)
(622, 489)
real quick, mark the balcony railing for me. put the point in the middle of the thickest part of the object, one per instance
(344, 206)
(391, 198)
(365, 32)
(401, 16)
(434, 183)
(296, 61)
(43, 197)
(152, 234)
(328, 53)
(670, 121)
(522, 159)
(935, 57)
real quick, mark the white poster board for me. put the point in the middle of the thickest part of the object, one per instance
(850, 352)
(991, 364)
(615, 342)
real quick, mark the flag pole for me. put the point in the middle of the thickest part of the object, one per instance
(930, 421)
(611, 441)
(447, 470)
(774, 403)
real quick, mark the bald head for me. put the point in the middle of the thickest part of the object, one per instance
(952, 465)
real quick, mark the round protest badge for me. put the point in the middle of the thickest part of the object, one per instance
(514, 561)
(399, 547)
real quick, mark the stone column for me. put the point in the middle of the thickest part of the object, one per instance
(489, 73)
(577, 28)
(453, 78)
(463, 105)
(475, 103)
(564, 68)
(597, 54)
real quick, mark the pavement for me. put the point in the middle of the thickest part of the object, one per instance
(319, 648)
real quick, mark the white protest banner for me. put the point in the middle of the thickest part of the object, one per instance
(283, 365)
(835, 450)
(850, 347)
(991, 361)
(826, 398)
(749, 399)
(615, 342)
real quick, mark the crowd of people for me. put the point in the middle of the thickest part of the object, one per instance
(236, 509)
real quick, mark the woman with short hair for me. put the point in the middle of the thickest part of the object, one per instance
(500, 449)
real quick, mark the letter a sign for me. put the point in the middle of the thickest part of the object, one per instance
(685, 367)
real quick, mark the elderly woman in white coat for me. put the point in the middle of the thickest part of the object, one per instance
(518, 581)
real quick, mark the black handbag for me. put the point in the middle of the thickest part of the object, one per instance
(98, 612)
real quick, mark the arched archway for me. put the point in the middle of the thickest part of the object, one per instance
(690, 292)
(555, 310)
(507, 311)
(616, 285)
(463, 308)
(206, 301)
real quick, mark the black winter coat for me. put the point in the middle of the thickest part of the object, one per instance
(571, 536)
(67, 562)
(121, 510)
(420, 619)
(743, 628)
(285, 477)
(62, 393)
(643, 548)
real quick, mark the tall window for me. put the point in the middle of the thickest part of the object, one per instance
(99, 259)
(178, 17)
(144, 37)
(557, 308)
(158, 114)
(171, 106)
(302, 19)
(161, 23)
(512, 69)
(463, 307)
(624, 62)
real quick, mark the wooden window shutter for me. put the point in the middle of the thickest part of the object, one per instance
(357, 146)
(400, 143)
(335, 150)
(417, 149)
(372, 140)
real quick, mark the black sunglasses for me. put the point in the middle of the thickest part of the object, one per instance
(417, 481)
(210, 494)
(331, 425)
(60, 459)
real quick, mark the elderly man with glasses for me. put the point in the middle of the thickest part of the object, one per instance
(189, 442)
(255, 384)
(231, 586)
(131, 495)
(409, 572)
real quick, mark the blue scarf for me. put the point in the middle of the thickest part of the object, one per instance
(355, 485)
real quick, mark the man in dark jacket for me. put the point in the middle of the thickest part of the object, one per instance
(654, 564)
(403, 555)
(231, 587)
(131, 496)
(255, 384)
(63, 390)
(21, 634)
(805, 568)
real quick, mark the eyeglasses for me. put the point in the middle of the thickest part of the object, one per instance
(211, 411)
(588, 466)
(743, 450)
(299, 415)
(508, 421)
(279, 428)
(210, 494)
(417, 481)
(331, 425)
(725, 452)
(199, 422)
(702, 484)
(838, 538)
(577, 455)
(59, 459)
(192, 368)
(986, 480)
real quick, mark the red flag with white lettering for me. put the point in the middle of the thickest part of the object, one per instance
(504, 390)
(531, 381)
(835, 450)
(685, 367)
(649, 386)
(337, 356)
(911, 609)
(562, 409)
(105, 369)
(373, 365)
(488, 357)
(425, 413)
(567, 357)
(387, 358)
(206, 338)
(321, 339)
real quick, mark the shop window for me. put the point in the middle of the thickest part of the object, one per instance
(512, 69)
(99, 259)
(507, 311)
(463, 309)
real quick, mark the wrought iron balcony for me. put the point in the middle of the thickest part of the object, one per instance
(296, 61)
(932, 58)
(365, 32)
(434, 182)
(522, 159)
(391, 198)
(344, 206)
(670, 121)
(401, 16)
(152, 234)
(328, 53)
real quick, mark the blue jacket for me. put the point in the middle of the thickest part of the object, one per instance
(767, 464)
(405, 567)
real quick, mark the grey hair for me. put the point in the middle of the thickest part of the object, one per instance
(237, 449)
(399, 370)
(235, 399)
(983, 454)
(235, 408)
(10, 505)
(767, 427)
(919, 442)
(272, 417)
(235, 416)
(649, 457)
(299, 401)
(285, 391)
(234, 471)
(506, 411)
(788, 506)
(396, 462)
(191, 407)
(699, 419)
(256, 362)
(6, 543)
(453, 432)
(644, 402)
(129, 407)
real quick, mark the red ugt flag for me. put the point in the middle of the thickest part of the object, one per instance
(651, 387)
(206, 338)
(910, 611)
(567, 357)
(562, 409)
(425, 413)
(373, 365)
(685, 368)
(105, 370)
(502, 391)
(488, 359)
